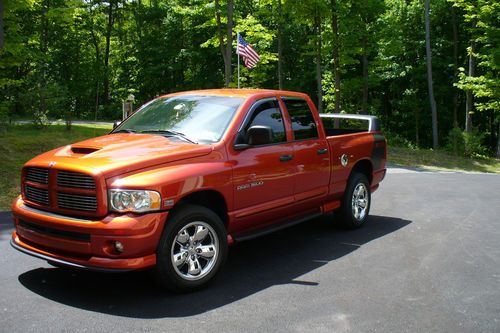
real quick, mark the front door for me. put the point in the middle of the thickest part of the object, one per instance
(263, 175)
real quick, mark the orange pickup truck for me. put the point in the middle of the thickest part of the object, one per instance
(189, 174)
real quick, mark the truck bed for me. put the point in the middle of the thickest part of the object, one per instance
(341, 124)
(354, 139)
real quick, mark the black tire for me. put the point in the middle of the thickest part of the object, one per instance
(349, 217)
(178, 278)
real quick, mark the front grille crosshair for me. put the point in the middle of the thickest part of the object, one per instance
(80, 196)
(75, 179)
(37, 195)
(77, 202)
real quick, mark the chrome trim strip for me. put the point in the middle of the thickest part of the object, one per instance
(373, 122)
(42, 212)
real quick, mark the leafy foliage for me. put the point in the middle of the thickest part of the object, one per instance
(76, 59)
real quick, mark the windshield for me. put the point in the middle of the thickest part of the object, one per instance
(200, 119)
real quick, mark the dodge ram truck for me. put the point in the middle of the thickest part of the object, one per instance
(188, 174)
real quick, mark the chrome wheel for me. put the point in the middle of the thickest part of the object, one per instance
(360, 201)
(195, 250)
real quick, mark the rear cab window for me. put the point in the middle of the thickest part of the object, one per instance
(303, 123)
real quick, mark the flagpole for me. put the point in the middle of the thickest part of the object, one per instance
(238, 56)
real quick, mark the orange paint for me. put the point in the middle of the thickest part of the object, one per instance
(257, 187)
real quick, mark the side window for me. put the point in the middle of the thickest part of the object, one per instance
(303, 124)
(268, 114)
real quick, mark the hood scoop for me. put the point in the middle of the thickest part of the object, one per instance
(83, 150)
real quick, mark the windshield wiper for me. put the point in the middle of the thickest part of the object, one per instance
(172, 133)
(124, 130)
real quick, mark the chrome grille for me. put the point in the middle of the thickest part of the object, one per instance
(37, 195)
(37, 175)
(75, 179)
(61, 190)
(76, 202)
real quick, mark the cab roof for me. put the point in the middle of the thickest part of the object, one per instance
(244, 93)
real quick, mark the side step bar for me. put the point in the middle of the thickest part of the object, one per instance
(270, 229)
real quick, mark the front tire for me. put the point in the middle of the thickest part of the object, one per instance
(192, 249)
(356, 202)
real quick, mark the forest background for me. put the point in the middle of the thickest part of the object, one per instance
(428, 69)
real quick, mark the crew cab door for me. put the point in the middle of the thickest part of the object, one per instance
(311, 155)
(263, 174)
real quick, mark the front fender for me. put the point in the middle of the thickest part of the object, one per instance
(174, 182)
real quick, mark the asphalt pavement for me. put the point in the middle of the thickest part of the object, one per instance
(428, 260)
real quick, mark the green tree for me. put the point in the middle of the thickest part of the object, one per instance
(483, 17)
(81, 58)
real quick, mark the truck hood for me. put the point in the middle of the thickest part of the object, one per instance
(116, 154)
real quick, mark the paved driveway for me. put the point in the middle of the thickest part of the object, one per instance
(428, 260)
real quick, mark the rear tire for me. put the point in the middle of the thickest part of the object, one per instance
(192, 249)
(356, 202)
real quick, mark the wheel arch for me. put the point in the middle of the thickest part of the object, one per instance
(365, 167)
(210, 199)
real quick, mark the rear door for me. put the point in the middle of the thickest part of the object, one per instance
(263, 175)
(311, 155)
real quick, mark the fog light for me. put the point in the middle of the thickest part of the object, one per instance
(118, 247)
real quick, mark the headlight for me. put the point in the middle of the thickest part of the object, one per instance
(137, 201)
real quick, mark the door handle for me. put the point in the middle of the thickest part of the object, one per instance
(322, 151)
(285, 158)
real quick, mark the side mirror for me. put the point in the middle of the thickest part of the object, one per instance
(116, 123)
(255, 135)
(259, 135)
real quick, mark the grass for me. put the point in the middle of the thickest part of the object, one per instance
(440, 160)
(20, 143)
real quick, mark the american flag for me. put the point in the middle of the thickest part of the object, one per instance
(246, 51)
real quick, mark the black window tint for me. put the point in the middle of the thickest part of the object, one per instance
(268, 114)
(303, 124)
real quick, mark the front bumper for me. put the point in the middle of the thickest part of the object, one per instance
(88, 244)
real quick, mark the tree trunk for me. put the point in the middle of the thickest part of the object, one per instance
(229, 39)
(498, 140)
(138, 14)
(43, 51)
(455, 63)
(335, 54)
(226, 52)
(435, 143)
(417, 127)
(109, 29)
(95, 41)
(1, 25)
(319, 87)
(469, 106)
(280, 45)
(364, 102)
(219, 31)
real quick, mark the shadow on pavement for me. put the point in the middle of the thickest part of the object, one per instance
(276, 259)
